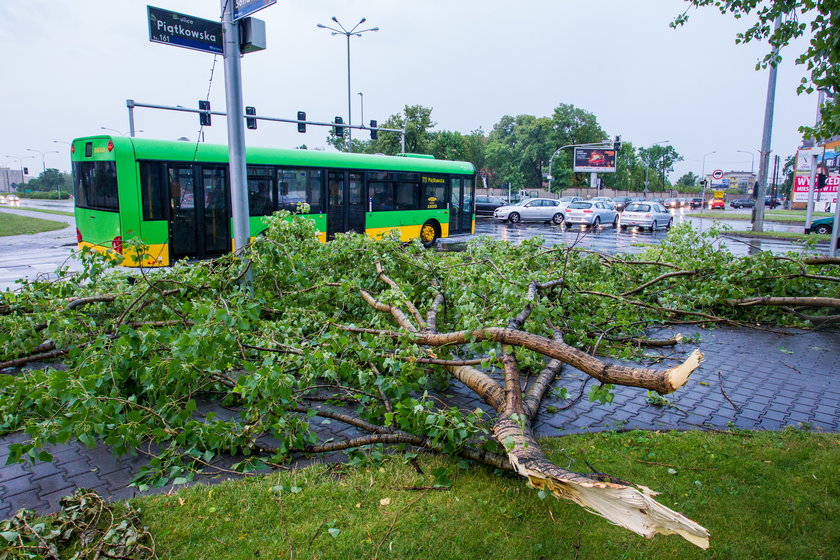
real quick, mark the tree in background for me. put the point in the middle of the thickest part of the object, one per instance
(660, 160)
(51, 180)
(822, 57)
(572, 125)
(689, 179)
(630, 172)
(518, 148)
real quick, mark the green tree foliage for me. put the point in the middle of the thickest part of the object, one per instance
(688, 179)
(51, 180)
(629, 174)
(659, 161)
(819, 20)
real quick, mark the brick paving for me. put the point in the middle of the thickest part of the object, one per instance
(775, 380)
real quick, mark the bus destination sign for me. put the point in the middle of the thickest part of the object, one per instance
(244, 8)
(181, 30)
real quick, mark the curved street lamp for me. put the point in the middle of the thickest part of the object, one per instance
(43, 156)
(358, 33)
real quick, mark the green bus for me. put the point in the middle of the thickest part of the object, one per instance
(175, 196)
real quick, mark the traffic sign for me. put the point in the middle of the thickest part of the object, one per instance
(181, 30)
(717, 174)
(244, 8)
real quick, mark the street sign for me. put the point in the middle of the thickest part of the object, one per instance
(244, 8)
(717, 174)
(181, 30)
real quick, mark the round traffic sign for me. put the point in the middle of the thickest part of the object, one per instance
(717, 174)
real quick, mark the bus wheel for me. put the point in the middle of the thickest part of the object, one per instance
(429, 234)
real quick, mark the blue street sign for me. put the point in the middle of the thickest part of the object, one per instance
(244, 8)
(181, 30)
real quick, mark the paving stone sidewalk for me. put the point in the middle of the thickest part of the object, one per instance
(775, 380)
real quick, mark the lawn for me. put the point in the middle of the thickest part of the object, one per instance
(45, 211)
(785, 216)
(760, 494)
(783, 235)
(12, 224)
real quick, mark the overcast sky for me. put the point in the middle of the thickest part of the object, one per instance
(69, 66)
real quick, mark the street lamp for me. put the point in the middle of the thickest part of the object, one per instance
(358, 33)
(703, 174)
(43, 156)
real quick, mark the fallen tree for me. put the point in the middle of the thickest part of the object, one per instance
(364, 332)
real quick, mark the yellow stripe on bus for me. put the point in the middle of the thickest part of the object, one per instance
(158, 254)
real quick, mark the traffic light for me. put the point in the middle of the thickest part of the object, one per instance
(26, 171)
(617, 143)
(339, 130)
(204, 117)
(301, 121)
(821, 180)
(249, 122)
(374, 134)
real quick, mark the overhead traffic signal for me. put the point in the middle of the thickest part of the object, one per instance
(249, 122)
(301, 121)
(617, 143)
(204, 117)
(374, 133)
(339, 130)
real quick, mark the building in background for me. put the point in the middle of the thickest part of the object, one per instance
(10, 179)
(732, 181)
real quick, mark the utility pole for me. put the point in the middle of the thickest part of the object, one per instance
(764, 154)
(236, 134)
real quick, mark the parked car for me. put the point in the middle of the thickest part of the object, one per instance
(621, 202)
(488, 204)
(823, 225)
(772, 202)
(717, 204)
(646, 215)
(695, 203)
(592, 213)
(532, 209)
(742, 203)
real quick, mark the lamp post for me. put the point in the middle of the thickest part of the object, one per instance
(752, 160)
(703, 173)
(358, 33)
(362, 101)
(43, 156)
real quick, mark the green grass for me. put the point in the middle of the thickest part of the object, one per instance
(799, 213)
(783, 235)
(45, 211)
(12, 224)
(787, 217)
(761, 495)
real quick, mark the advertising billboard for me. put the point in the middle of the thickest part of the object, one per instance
(600, 160)
(828, 162)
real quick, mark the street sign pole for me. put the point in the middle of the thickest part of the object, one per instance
(236, 132)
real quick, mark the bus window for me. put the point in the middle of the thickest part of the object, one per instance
(434, 192)
(95, 185)
(469, 205)
(313, 196)
(408, 195)
(260, 191)
(381, 195)
(299, 185)
(153, 190)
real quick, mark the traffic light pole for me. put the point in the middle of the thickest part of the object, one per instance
(236, 133)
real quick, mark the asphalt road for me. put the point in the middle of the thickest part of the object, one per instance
(41, 254)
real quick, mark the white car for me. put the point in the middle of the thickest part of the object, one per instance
(533, 210)
(646, 215)
(587, 212)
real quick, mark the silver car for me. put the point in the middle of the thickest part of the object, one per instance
(532, 210)
(591, 213)
(646, 215)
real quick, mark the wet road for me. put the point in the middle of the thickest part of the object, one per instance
(41, 254)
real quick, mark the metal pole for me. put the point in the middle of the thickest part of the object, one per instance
(835, 228)
(130, 104)
(362, 116)
(763, 162)
(812, 185)
(236, 132)
(349, 105)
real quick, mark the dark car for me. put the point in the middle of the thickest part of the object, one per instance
(823, 225)
(672, 203)
(696, 203)
(487, 204)
(621, 202)
(772, 202)
(742, 203)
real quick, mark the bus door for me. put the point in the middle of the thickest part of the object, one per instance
(461, 203)
(345, 208)
(199, 223)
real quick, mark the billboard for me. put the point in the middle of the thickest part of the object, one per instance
(828, 162)
(599, 160)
